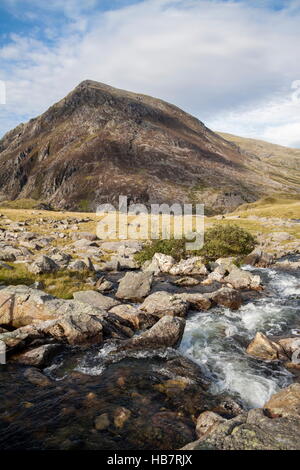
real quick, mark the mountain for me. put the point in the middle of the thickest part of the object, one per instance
(282, 164)
(100, 142)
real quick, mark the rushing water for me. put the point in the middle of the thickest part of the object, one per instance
(216, 339)
(87, 383)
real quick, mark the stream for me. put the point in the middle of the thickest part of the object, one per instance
(149, 385)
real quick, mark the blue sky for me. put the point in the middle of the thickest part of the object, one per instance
(233, 64)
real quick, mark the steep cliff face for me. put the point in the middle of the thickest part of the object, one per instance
(100, 142)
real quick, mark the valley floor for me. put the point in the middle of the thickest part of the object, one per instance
(102, 354)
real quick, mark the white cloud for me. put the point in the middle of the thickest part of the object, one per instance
(277, 120)
(227, 63)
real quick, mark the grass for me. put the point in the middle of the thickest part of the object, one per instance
(61, 284)
(278, 207)
(21, 204)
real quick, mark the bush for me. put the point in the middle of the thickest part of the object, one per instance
(175, 248)
(219, 241)
(226, 240)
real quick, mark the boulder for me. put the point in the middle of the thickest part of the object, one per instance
(62, 259)
(134, 245)
(218, 274)
(135, 286)
(19, 338)
(76, 329)
(196, 301)
(291, 347)
(78, 265)
(227, 263)
(288, 265)
(7, 256)
(43, 265)
(207, 422)
(84, 236)
(162, 303)
(263, 348)
(167, 332)
(240, 279)
(35, 377)
(259, 258)
(84, 243)
(251, 431)
(21, 306)
(129, 313)
(161, 263)
(226, 297)
(112, 265)
(285, 403)
(103, 285)
(38, 357)
(186, 282)
(95, 299)
(190, 266)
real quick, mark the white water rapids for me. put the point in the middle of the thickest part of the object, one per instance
(217, 339)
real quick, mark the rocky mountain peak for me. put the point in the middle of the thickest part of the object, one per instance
(99, 142)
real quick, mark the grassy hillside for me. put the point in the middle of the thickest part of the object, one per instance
(281, 164)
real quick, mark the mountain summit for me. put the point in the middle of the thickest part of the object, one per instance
(100, 142)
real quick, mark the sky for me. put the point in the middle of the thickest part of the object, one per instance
(234, 64)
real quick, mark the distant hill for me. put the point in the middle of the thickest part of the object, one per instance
(101, 142)
(282, 164)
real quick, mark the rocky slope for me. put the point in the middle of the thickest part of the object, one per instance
(100, 142)
(280, 163)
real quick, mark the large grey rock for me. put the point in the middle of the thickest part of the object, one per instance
(134, 286)
(119, 247)
(252, 431)
(124, 262)
(162, 303)
(20, 337)
(259, 258)
(84, 243)
(285, 403)
(62, 259)
(76, 329)
(197, 301)
(6, 255)
(77, 265)
(167, 332)
(84, 236)
(226, 297)
(227, 263)
(43, 265)
(194, 265)
(240, 279)
(263, 348)
(186, 281)
(21, 306)
(95, 299)
(38, 357)
(207, 422)
(160, 263)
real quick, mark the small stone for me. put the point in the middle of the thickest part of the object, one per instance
(121, 415)
(102, 422)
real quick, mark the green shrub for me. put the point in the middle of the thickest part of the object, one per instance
(219, 241)
(226, 240)
(175, 248)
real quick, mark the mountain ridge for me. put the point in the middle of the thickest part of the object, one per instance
(100, 142)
